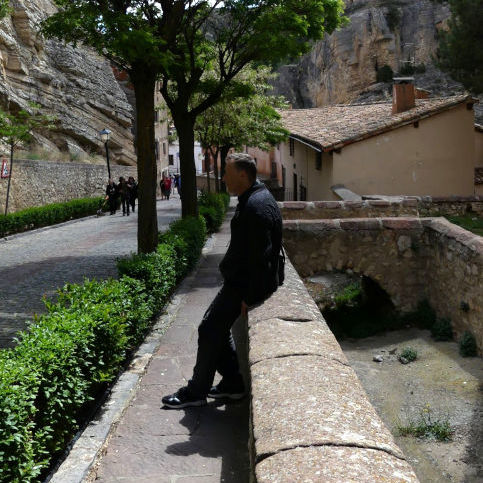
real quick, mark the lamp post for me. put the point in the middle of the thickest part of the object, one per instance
(105, 138)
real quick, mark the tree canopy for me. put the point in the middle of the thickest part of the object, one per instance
(461, 47)
(176, 42)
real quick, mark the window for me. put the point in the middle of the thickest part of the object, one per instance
(318, 160)
(284, 176)
(164, 148)
(291, 143)
(156, 149)
(273, 173)
(156, 115)
(171, 160)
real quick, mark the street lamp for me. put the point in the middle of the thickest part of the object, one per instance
(105, 138)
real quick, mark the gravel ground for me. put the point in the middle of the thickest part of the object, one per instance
(450, 384)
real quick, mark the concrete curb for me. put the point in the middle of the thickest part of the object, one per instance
(85, 453)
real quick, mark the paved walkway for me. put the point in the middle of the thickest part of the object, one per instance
(196, 445)
(36, 263)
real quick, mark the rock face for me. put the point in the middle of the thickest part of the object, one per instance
(74, 84)
(395, 33)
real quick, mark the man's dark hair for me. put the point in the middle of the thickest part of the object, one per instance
(244, 162)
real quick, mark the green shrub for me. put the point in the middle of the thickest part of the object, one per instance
(409, 354)
(468, 345)
(384, 74)
(427, 427)
(39, 216)
(212, 206)
(442, 330)
(350, 295)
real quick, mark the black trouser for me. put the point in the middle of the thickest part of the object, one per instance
(216, 348)
(132, 202)
(125, 204)
(112, 204)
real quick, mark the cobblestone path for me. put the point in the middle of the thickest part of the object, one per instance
(37, 263)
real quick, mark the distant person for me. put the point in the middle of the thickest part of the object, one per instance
(177, 183)
(123, 190)
(161, 185)
(167, 186)
(250, 275)
(111, 196)
(133, 192)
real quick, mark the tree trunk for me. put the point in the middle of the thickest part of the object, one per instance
(207, 168)
(185, 129)
(215, 168)
(223, 154)
(9, 178)
(144, 83)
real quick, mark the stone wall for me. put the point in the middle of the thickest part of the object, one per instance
(411, 259)
(369, 208)
(310, 417)
(37, 183)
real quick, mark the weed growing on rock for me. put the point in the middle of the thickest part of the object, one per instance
(426, 426)
(442, 330)
(408, 355)
(468, 344)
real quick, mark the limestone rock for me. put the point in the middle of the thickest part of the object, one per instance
(74, 84)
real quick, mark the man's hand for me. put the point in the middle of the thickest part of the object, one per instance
(244, 309)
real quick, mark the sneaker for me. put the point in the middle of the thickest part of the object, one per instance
(182, 399)
(225, 391)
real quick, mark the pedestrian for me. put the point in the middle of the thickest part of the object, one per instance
(133, 192)
(123, 190)
(161, 184)
(167, 186)
(111, 196)
(250, 275)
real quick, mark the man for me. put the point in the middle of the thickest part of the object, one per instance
(250, 275)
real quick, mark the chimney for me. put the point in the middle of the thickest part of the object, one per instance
(402, 94)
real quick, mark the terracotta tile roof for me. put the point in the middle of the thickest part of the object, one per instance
(479, 175)
(331, 127)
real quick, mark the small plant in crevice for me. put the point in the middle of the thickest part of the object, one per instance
(467, 345)
(442, 330)
(408, 354)
(427, 426)
(350, 295)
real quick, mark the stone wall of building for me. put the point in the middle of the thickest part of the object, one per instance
(411, 258)
(37, 183)
(406, 206)
(310, 417)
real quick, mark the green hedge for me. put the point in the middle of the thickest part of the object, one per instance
(48, 215)
(59, 365)
(212, 206)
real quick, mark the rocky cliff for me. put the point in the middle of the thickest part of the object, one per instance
(75, 85)
(401, 34)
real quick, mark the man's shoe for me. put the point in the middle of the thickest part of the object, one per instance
(225, 391)
(182, 399)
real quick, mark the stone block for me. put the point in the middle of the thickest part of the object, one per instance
(294, 205)
(352, 204)
(379, 203)
(334, 465)
(280, 338)
(402, 223)
(355, 224)
(409, 202)
(328, 204)
(309, 401)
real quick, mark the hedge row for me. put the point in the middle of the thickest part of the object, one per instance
(212, 206)
(50, 378)
(39, 216)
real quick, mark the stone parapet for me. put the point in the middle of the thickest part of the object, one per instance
(402, 206)
(411, 258)
(37, 183)
(310, 417)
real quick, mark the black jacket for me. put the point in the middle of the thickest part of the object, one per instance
(251, 261)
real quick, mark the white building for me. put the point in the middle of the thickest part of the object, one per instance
(174, 166)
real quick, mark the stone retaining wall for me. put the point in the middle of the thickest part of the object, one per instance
(37, 183)
(411, 259)
(310, 417)
(407, 206)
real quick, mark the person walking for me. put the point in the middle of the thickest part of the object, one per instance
(161, 184)
(167, 186)
(133, 192)
(111, 196)
(124, 193)
(250, 275)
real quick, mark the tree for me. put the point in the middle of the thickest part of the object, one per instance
(460, 49)
(17, 128)
(176, 41)
(237, 121)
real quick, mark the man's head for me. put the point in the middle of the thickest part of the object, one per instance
(240, 173)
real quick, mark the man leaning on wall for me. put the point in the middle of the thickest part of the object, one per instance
(250, 275)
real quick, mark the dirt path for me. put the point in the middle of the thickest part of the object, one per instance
(450, 384)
